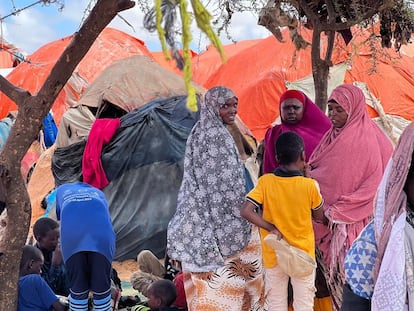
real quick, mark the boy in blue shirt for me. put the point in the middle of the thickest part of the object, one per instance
(34, 293)
(88, 244)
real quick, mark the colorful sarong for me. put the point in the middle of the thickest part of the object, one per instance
(238, 285)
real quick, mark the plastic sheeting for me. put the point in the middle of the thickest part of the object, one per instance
(144, 163)
(67, 163)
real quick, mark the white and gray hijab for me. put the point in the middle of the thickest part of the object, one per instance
(207, 227)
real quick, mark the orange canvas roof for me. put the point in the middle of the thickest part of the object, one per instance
(258, 74)
(6, 59)
(111, 44)
(169, 64)
(7, 51)
(207, 62)
(392, 83)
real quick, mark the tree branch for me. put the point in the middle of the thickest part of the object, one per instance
(308, 12)
(326, 26)
(329, 48)
(13, 92)
(331, 13)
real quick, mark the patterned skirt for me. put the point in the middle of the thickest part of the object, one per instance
(237, 286)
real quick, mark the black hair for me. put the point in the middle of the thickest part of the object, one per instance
(43, 225)
(288, 148)
(30, 253)
(164, 290)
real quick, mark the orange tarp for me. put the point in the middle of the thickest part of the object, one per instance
(6, 59)
(204, 64)
(7, 52)
(111, 44)
(258, 73)
(169, 64)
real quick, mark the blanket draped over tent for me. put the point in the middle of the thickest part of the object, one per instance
(144, 164)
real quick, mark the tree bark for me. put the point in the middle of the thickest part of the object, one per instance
(320, 69)
(32, 110)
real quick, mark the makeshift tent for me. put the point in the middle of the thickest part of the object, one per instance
(261, 72)
(122, 87)
(110, 45)
(144, 164)
(143, 161)
(125, 85)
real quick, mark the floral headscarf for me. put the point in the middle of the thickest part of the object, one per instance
(207, 227)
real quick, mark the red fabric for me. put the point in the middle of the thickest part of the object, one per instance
(180, 301)
(311, 128)
(348, 165)
(293, 94)
(100, 134)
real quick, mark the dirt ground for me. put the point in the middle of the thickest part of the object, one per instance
(125, 268)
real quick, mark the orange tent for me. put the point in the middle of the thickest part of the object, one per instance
(206, 63)
(258, 74)
(7, 54)
(111, 44)
(169, 64)
(6, 59)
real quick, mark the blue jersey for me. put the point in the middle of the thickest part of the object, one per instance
(85, 223)
(35, 294)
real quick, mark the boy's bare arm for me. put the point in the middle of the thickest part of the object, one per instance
(319, 216)
(248, 212)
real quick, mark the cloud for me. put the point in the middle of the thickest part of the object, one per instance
(36, 26)
(39, 25)
(131, 22)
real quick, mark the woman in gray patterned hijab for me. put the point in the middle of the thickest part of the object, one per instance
(207, 233)
(207, 227)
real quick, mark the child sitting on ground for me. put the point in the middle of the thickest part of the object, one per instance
(34, 293)
(151, 269)
(161, 295)
(288, 200)
(47, 235)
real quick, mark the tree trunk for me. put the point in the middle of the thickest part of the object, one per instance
(32, 110)
(320, 70)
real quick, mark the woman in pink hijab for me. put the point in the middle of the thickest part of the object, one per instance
(348, 164)
(300, 115)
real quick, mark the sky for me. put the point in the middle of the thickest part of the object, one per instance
(40, 24)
